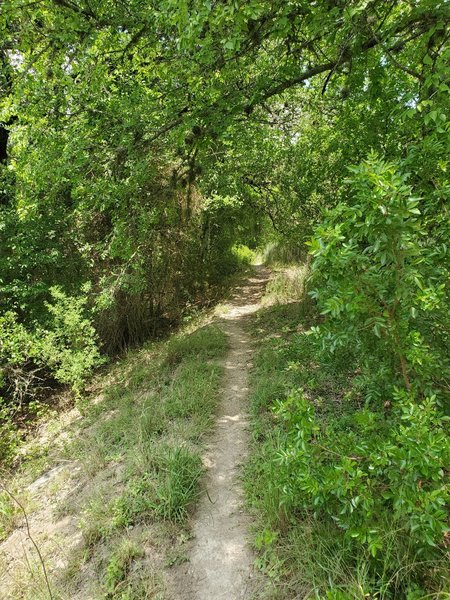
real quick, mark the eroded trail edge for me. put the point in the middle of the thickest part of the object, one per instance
(220, 560)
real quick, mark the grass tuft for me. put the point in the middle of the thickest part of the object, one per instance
(178, 475)
(119, 567)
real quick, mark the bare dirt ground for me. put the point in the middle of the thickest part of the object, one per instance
(220, 565)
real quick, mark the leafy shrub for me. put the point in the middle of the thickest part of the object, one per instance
(243, 254)
(360, 451)
(20, 358)
(379, 471)
(370, 471)
(65, 350)
(70, 347)
(381, 282)
(352, 497)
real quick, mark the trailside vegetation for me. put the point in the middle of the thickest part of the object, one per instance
(124, 475)
(348, 479)
(142, 144)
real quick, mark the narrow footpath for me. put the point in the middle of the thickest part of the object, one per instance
(220, 565)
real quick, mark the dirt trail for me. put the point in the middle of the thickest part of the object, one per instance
(220, 563)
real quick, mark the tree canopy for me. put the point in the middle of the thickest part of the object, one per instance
(143, 143)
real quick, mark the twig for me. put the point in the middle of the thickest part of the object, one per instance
(337, 453)
(209, 497)
(30, 537)
(338, 62)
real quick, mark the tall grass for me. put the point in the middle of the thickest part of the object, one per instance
(288, 284)
(282, 253)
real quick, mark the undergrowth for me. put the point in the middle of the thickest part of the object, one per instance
(347, 495)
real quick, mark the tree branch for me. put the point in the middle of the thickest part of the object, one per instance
(423, 21)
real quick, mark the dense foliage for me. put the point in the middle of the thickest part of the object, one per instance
(142, 143)
(351, 492)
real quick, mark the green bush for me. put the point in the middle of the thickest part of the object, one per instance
(66, 348)
(243, 254)
(381, 282)
(370, 470)
(70, 346)
(359, 452)
(20, 358)
(351, 493)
